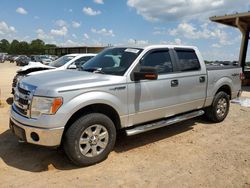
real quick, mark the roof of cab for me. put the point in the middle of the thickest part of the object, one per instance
(156, 46)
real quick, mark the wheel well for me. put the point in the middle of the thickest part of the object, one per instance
(97, 108)
(226, 89)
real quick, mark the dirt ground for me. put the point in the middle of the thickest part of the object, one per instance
(194, 153)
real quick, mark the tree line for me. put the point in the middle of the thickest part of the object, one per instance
(15, 47)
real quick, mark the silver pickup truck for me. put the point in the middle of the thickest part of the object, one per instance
(134, 89)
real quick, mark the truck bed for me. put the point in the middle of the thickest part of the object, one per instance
(221, 67)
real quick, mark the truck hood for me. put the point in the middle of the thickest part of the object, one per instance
(52, 82)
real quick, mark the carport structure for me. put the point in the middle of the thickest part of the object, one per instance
(242, 22)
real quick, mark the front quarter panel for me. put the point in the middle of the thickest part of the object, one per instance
(117, 99)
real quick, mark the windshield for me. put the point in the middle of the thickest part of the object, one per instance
(61, 61)
(113, 61)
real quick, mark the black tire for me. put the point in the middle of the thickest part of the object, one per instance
(71, 140)
(212, 113)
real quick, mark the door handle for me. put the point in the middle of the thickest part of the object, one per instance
(174, 83)
(202, 79)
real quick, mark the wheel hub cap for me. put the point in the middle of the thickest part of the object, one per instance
(93, 140)
(221, 107)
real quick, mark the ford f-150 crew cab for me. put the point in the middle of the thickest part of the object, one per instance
(130, 88)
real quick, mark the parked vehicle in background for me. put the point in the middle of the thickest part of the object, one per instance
(19, 58)
(44, 59)
(6, 58)
(70, 61)
(53, 57)
(13, 58)
(2, 58)
(35, 58)
(22, 60)
(134, 89)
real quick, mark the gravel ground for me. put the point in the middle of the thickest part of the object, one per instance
(194, 153)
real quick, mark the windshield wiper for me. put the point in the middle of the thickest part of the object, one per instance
(94, 70)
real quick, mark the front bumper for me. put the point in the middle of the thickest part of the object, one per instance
(35, 135)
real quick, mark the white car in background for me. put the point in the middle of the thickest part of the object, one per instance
(70, 61)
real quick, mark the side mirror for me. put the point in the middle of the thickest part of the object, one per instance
(146, 73)
(72, 67)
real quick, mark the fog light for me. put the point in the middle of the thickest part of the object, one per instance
(34, 136)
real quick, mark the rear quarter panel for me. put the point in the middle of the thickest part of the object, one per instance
(219, 78)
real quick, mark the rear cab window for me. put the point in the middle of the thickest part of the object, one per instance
(187, 60)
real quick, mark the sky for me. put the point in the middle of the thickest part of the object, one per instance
(125, 22)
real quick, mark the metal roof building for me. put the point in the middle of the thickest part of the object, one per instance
(59, 51)
(242, 22)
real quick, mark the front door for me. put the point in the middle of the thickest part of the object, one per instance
(150, 99)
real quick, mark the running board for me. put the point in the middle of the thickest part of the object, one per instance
(163, 123)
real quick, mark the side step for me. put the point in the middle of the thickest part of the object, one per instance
(163, 123)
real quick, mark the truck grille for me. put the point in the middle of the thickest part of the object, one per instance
(22, 100)
(23, 91)
(14, 82)
(21, 111)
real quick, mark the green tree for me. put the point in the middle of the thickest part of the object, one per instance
(4, 45)
(14, 47)
(50, 49)
(37, 46)
(47, 46)
(17, 48)
(24, 48)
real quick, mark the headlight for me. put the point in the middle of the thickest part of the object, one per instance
(45, 105)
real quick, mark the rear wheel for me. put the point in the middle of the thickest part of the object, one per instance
(90, 139)
(219, 109)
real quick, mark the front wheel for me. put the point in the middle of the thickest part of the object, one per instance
(90, 139)
(219, 109)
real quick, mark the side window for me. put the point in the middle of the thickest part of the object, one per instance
(82, 60)
(160, 60)
(188, 60)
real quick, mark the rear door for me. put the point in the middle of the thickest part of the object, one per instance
(191, 78)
